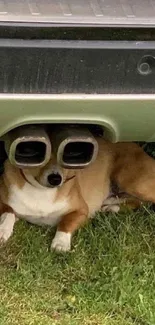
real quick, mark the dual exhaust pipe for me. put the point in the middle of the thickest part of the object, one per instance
(32, 146)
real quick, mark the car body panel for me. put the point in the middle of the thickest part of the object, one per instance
(124, 117)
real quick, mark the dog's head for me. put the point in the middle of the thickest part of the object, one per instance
(51, 176)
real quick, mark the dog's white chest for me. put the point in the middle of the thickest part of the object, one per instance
(38, 206)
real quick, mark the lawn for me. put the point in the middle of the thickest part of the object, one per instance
(108, 278)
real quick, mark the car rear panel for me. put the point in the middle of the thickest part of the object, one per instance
(79, 61)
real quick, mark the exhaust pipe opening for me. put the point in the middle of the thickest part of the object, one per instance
(28, 146)
(78, 151)
(74, 146)
(30, 152)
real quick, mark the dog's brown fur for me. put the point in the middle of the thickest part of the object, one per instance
(87, 190)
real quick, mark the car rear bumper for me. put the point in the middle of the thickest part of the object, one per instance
(75, 61)
(124, 117)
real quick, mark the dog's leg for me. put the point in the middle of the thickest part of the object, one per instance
(136, 176)
(67, 226)
(114, 204)
(110, 208)
(7, 221)
(141, 190)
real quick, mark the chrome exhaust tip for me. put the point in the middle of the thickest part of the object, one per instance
(28, 146)
(74, 146)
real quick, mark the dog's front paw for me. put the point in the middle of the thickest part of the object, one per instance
(4, 234)
(6, 226)
(61, 242)
(111, 208)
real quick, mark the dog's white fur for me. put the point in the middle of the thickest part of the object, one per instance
(34, 205)
(61, 241)
(37, 205)
(6, 226)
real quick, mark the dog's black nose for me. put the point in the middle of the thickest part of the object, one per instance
(54, 179)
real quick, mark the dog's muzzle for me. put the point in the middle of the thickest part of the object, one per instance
(54, 179)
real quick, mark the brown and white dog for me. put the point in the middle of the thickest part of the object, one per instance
(31, 194)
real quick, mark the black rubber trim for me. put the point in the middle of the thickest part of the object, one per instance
(76, 33)
(56, 67)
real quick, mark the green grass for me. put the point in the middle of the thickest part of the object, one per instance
(108, 278)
